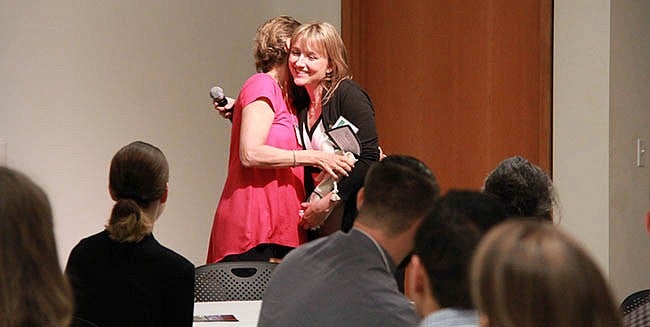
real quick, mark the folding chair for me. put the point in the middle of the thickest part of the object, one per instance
(232, 281)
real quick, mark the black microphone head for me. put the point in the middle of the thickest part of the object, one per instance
(216, 93)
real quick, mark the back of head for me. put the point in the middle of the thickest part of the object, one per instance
(447, 238)
(529, 273)
(33, 291)
(398, 191)
(138, 176)
(270, 47)
(325, 38)
(524, 188)
(483, 209)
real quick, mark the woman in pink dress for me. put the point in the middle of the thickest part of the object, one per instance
(257, 216)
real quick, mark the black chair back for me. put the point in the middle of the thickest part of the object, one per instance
(636, 309)
(232, 281)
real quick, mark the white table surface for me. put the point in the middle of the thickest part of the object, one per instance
(246, 312)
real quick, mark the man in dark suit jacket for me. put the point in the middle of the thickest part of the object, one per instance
(347, 279)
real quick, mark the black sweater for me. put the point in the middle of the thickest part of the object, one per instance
(352, 102)
(130, 284)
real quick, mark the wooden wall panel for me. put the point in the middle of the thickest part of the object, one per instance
(459, 84)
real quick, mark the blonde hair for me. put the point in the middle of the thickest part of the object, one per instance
(270, 42)
(324, 37)
(528, 273)
(128, 222)
(33, 289)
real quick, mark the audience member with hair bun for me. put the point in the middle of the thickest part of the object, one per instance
(528, 273)
(525, 189)
(122, 276)
(33, 290)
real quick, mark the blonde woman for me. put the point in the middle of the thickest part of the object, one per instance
(318, 61)
(528, 273)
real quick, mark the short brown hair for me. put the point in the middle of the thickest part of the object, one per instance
(270, 42)
(528, 273)
(398, 191)
(447, 238)
(33, 290)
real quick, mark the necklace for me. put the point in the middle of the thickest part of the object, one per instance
(314, 110)
(315, 107)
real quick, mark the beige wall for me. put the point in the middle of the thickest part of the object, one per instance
(601, 94)
(581, 121)
(79, 79)
(629, 120)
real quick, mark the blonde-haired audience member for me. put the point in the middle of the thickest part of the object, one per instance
(33, 290)
(122, 276)
(528, 273)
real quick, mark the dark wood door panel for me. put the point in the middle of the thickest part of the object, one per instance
(459, 84)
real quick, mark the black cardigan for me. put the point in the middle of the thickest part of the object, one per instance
(352, 102)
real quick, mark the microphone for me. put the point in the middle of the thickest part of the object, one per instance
(216, 93)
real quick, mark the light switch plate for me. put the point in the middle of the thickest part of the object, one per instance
(640, 153)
